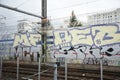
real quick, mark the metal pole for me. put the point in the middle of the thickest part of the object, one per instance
(9, 53)
(22, 53)
(17, 66)
(1, 67)
(39, 67)
(44, 25)
(55, 71)
(101, 68)
(65, 69)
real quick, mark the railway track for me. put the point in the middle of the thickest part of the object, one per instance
(74, 73)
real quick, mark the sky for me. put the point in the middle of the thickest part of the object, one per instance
(58, 10)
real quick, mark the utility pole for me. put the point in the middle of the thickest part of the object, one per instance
(44, 27)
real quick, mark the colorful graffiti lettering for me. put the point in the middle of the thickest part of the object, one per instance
(87, 42)
(92, 36)
(81, 42)
(62, 37)
(25, 40)
(95, 61)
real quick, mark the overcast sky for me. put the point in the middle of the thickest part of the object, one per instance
(57, 9)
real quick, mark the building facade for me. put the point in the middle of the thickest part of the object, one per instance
(105, 18)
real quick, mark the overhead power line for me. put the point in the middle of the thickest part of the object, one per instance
(89, 13)
(58, 8)
(22, 3)
(17, 10)
(73, 5)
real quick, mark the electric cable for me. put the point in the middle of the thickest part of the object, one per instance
(73, 5)
(22, 4)
(63, 7)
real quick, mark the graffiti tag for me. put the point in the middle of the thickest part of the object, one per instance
(25, 40)
(95, 35)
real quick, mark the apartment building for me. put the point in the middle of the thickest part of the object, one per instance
(105, 18)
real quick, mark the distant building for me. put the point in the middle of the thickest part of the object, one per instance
(105, 18)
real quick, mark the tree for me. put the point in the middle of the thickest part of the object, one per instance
(73, 22)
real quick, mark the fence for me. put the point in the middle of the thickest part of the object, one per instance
(92, 61)
(108, 62)
(17, 67)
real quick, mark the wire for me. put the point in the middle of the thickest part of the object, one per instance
(22, 4)
(61, 7)
(63, 18)
(73, 5)
(69, 16)
(18, 17)
(76, 15)
(51, 19)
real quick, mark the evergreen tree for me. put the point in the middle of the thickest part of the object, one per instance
(73, 22)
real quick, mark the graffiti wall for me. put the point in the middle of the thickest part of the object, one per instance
(87, 43)
(30, 44)
(79, 44)
(24, 44)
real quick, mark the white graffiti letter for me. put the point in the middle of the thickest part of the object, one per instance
(21, 40)
(34, 38)
(104, 35)
(62, 38)
(81, 36)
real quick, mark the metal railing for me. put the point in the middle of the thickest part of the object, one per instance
(64, 61)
